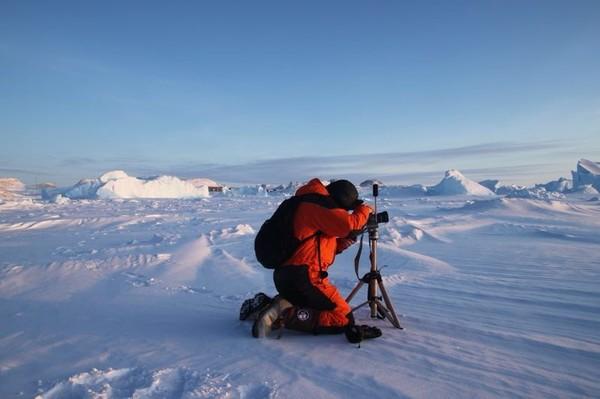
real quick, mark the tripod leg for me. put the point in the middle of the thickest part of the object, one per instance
(354, 291)
(372, 295)
(390, 307)
(360, 306)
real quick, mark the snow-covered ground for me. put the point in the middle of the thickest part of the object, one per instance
(499, 297)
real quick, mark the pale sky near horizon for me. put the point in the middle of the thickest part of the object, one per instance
(277, 91)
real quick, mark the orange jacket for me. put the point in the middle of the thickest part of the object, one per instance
(332, 223)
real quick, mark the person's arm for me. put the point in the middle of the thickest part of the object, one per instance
(343, 244)
(336, 222)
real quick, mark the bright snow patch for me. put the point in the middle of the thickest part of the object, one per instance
(455, 183)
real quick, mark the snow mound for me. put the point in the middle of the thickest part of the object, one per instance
(587, 172)
(536, 193)
(138, 383)
(455, 183)
(237, 231)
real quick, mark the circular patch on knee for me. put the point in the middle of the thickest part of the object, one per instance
(303, 314)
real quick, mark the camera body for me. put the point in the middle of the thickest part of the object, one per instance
(377, 218)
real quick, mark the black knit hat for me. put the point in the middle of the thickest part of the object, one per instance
(344, 193)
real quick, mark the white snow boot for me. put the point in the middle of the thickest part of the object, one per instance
(268, 317)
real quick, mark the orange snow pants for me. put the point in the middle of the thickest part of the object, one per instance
(303, 289)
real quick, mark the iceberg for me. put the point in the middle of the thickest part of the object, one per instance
(588, 172)
(118, 184)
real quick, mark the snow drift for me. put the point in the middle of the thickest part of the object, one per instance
(455, 183)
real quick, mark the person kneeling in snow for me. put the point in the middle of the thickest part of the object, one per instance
(307, 301)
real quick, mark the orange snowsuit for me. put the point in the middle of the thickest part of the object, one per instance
(318, 252)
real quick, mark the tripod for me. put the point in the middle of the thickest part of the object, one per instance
(373, 278)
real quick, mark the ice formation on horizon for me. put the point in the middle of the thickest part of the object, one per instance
(10, 188)
(537, 193)
(117, 184)
(491, 184)
(562, 185)
(588, 172)
(455, 183)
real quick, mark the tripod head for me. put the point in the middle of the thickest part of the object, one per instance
(376, 218)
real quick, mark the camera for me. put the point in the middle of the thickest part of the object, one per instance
(375, 219)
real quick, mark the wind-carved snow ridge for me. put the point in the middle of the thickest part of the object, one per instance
(455, 183)
(168, 383)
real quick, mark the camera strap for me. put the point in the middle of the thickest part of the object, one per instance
(358, 253)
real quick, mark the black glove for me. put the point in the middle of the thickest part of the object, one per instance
(355, 334)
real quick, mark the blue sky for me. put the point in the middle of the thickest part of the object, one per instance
(277, 91)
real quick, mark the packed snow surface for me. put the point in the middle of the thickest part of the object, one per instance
(499, 297)
(455, 183)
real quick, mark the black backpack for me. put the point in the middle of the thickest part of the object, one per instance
(275, 242)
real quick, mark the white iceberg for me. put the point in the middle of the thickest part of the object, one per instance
(117, 184)
(157, 187)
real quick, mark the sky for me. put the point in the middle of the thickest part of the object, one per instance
(255, 91)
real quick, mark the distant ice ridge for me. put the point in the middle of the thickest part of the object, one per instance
(455, 183)
(117, 184)
(562, 185)
(587, 172)
(539, 193)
